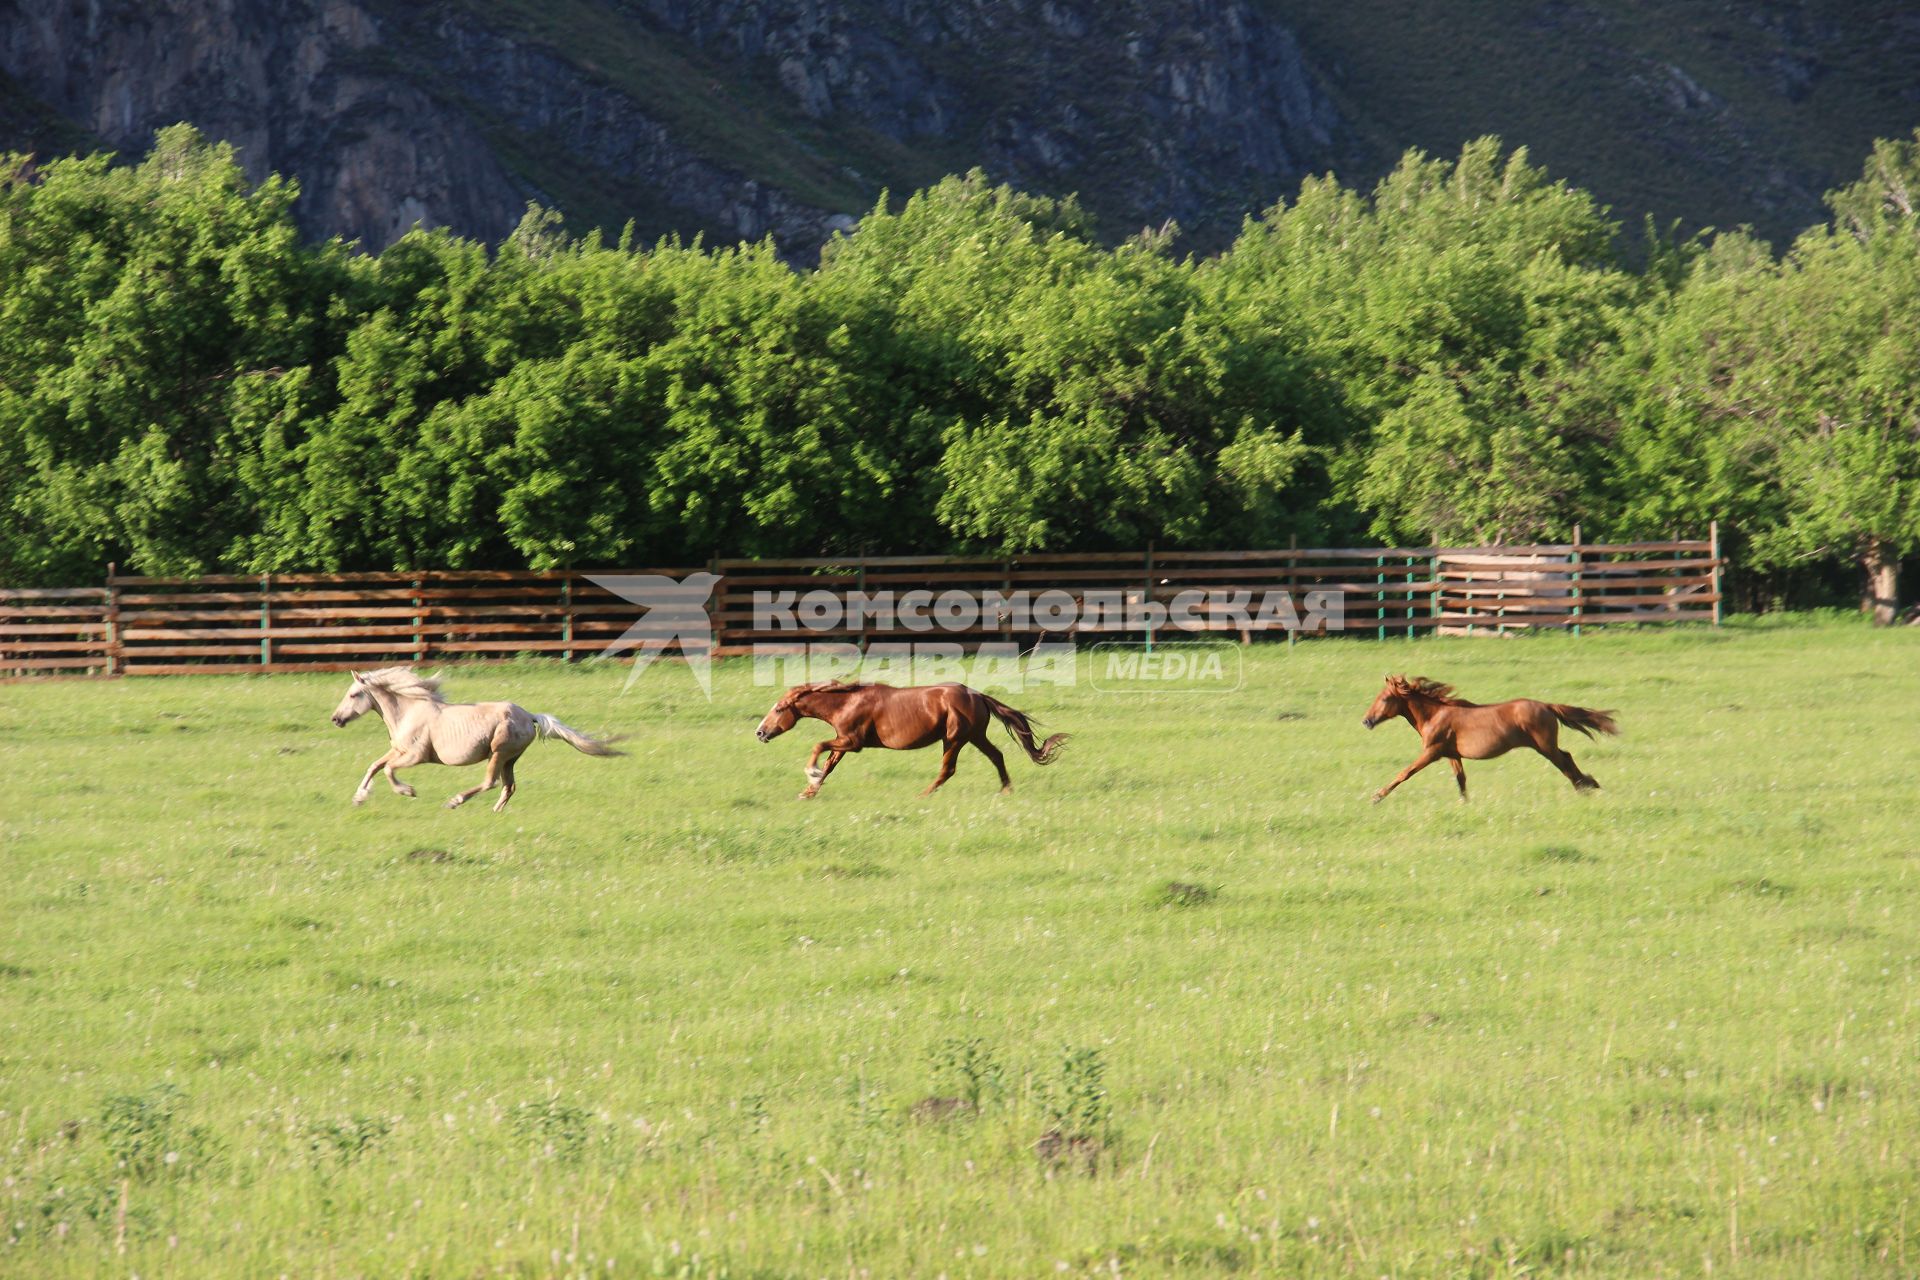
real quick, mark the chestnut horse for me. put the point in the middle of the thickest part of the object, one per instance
(1453, 729)
(879, 715)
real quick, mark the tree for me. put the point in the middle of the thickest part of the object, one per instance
(143, 310)
(1786, 395)
(1454, 309)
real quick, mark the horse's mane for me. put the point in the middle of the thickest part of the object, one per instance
(1434, 691)
(820, 686)
(404, 682)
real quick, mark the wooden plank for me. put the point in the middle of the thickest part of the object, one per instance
(79, 661)
(517, 646)
(136, 634)
(49, 648)
(1642, 566)
(77, 612)
(95, 594)
(51, 628)
(1523, 621)
(1635, 548)
(135, 653)
(850, 564)
(1595, 601)
(1652, 580)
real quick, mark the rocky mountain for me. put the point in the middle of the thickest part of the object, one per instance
(746, 118)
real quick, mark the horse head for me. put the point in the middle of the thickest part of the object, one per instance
(780, 719)
(357, 702)
(1392, 701)
(788, 712)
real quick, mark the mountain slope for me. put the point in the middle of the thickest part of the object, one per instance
(745, 118)
(1715, 112)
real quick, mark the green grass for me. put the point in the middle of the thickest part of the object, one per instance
(663, 1018)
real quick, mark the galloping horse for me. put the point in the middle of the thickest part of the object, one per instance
(424, 728)
(1453, 729)
(879, 715)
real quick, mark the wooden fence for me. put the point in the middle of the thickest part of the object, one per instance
(319, 622)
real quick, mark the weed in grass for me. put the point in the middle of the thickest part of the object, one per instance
(559, 1130)
(1074, 1100)
(1759, 887)
(935, 1108)
(1561, 853)
(970, 1072)
(852, 871)
(340, 1143)
(1182, 893)
(143, 1136)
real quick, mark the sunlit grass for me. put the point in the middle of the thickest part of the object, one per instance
(663, 1015)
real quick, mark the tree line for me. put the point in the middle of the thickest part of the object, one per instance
(1464, 353)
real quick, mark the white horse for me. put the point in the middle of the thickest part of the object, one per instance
(424, 728)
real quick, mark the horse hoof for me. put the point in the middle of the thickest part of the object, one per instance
(409, 793)
(360, 798)
(1378, 796)
(456, 802)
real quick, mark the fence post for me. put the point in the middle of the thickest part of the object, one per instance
(1713, 550)
(1380, 597)
(1146, 597)
(1293, 586)
(860, 580)
(1006, 594)
(1406, 597)
(419, 635)
(1577, 606)
(1433, 588)
(566, 616)
(116, 651)
(266, 620)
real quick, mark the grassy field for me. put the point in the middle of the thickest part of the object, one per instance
(661, 1018)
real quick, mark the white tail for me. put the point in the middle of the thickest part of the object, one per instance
(551, 727)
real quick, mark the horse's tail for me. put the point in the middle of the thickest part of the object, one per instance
(550, 727)
(1585, 719)
(1022, 730)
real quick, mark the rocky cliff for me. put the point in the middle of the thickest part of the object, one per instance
(737, 119)
(747, 118)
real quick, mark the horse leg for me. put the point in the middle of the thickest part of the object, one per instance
(1426, 758)
(393, 779)
(506, 784)
(947, 757)
(1459, 774)
(366, 783)
(1563, 761)
(817, 776)
(992, 753)
(487, 783)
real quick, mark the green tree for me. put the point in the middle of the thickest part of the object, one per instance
(1786, 395)
(145, 313)
(1454, 311)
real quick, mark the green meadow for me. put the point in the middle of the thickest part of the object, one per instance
(1183, 1003)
